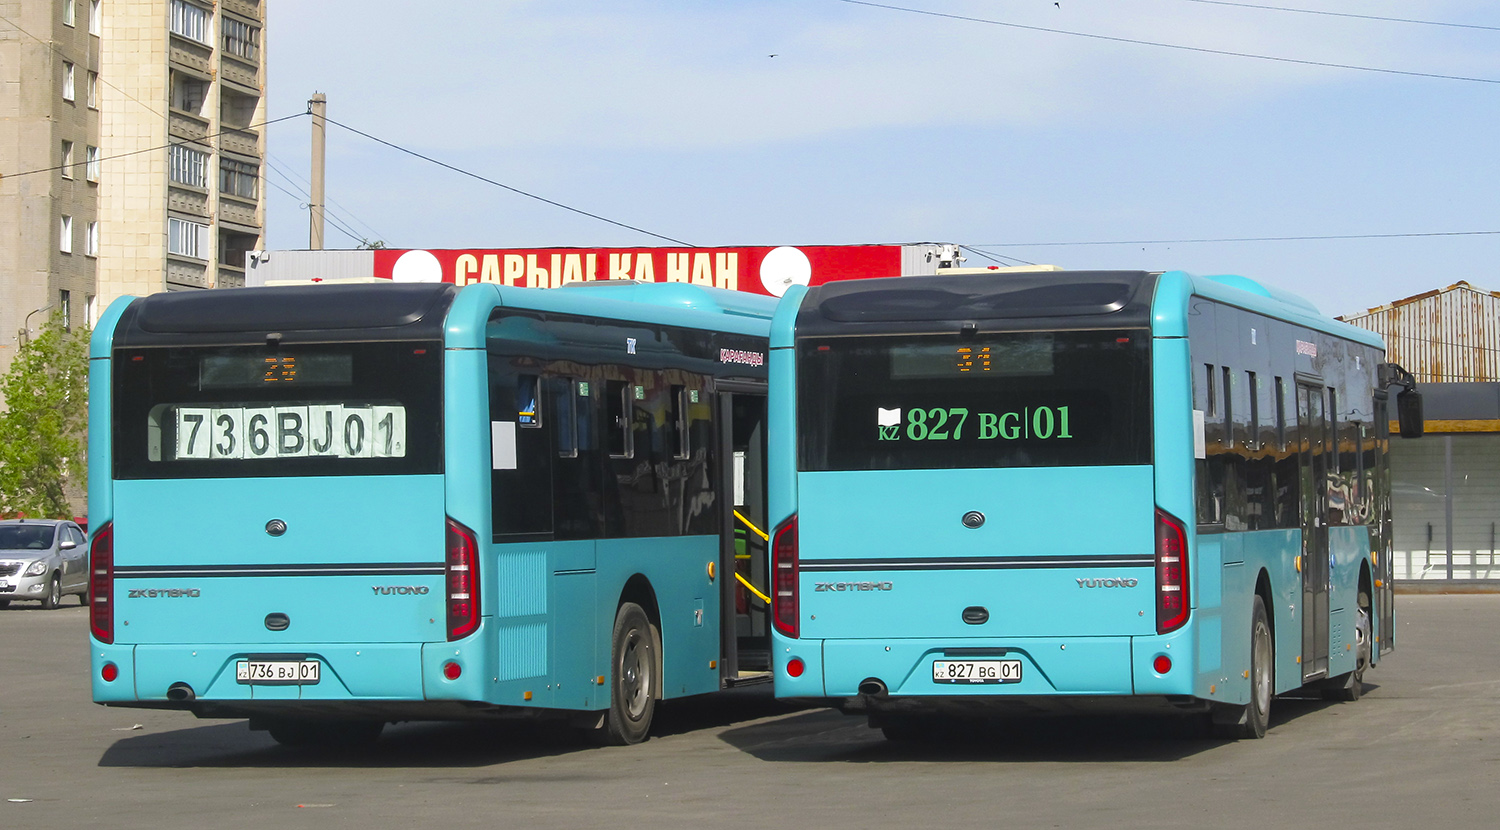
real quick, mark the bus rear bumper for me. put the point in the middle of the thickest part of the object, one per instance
(204, 677)
(1049, 666)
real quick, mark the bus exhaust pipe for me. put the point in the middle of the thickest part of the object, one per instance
(180, 693)
(872, 686)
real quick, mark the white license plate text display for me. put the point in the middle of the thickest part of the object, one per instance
(277, 671)
(289, 431)
(976, 671)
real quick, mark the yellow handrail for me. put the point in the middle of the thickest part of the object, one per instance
(751, 588)
(758, 532)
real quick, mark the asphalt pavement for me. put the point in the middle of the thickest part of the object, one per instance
(1422, 749)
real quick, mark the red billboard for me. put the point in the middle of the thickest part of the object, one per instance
(756, 269)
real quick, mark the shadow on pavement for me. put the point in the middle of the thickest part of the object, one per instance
(424, 744)
(828, 736)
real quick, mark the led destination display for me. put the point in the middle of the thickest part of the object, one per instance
(1021, 399)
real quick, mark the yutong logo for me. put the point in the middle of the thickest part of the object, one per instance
(387, 590)
(152, 593)
(852, 586)
(1111, 582)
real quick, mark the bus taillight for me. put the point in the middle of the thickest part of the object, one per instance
(1172, 605)
(784, 577)
(102, 584)
(462, 581)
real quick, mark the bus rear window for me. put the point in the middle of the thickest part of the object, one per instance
(295, 410)
(1023, 399)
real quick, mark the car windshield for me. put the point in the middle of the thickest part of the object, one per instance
(26, 537)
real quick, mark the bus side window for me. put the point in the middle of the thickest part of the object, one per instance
(528, 402)
(565, 407)
(679, 440)
(618, 413)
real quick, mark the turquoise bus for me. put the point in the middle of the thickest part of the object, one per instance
(1064, 491)
(326, 508)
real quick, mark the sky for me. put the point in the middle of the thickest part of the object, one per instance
(787, 122)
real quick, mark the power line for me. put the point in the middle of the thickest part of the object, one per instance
(1000, 258)
(296, 179)
(347, 229)
(1176, 46)
(1348, 14)
(183, 143)
(504, 186)
(1233, 239)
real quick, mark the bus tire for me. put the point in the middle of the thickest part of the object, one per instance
(633, 682)
(1250, 720)
(331, 734)
(54, 593)
(1351, 685)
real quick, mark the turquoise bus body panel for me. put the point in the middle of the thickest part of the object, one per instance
(547, 607)
(890, 634)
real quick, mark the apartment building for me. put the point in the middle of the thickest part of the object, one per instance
(186, 94)
(49, 166)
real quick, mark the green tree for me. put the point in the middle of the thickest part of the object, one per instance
(44, 428)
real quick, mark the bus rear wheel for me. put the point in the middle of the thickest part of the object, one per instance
(1251, 720)
(634, 680)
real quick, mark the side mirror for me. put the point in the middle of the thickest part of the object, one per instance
(1409, 413)
(67, 544)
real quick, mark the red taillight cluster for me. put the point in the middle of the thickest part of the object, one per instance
(102, 584)
(784, 573)
(462, 581)
(1172, 605)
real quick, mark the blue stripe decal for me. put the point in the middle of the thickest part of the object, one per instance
(981, 562)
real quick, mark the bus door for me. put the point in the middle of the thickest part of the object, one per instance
(1313, 453)
(745, 549)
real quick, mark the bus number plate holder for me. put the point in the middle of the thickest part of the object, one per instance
(277, 672)
(976, 671)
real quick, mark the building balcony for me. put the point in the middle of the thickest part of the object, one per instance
(238, 211)
(186, 125)
(230, 276)
(187, 200)
(244, 8)
(243, 142)
(190, 53)
(238, 71)
(186, 273)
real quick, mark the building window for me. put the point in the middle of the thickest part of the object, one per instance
(67, 81)
(238, 178)
(65, 309)
(65, 239)
(186, 238)
(68, 13)
(241, 39)
(188, 93)
(93, 90)
(191, 22)
(91, 241)
(187, 166)
(67, 159)
(91, 164)
(94, 26)
(91, 308)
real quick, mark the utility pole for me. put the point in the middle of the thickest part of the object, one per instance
(318, 106)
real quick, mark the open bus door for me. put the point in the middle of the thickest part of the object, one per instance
(1314, 450)
(744, 551)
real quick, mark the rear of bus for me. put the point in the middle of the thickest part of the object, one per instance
(270, 537)
(967, 495)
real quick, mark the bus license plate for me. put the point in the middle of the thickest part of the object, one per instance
(976, 671)
(289, 672)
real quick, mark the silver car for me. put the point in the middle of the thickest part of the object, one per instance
(41, 560)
